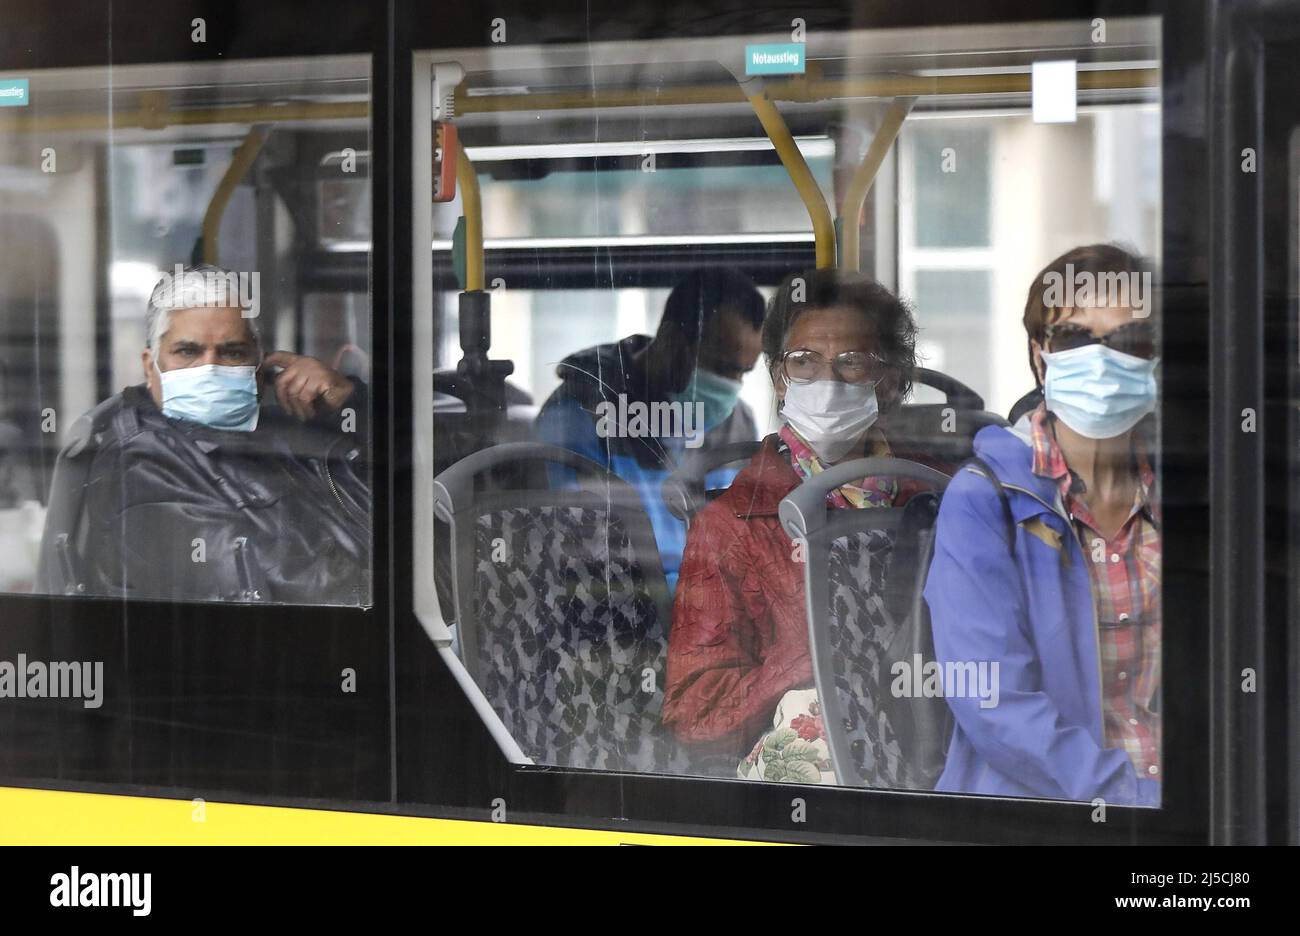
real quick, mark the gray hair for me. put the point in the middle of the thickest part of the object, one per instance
(203, 285)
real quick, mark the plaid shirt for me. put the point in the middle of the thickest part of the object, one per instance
(1125, 573)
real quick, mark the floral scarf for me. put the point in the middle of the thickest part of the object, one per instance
(869, 492)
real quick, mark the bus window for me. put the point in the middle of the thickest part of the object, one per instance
(889, 222)
(186, 348)
(981, 208)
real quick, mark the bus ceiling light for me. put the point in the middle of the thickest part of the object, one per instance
(811, 146)
(1054, 92)
(503, 90)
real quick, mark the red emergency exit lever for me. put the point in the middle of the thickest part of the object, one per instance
(446, 150)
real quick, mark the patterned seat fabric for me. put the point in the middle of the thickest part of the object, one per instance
(860, 631)
(571, 648)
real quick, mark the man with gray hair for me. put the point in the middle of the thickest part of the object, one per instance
(199, 324)
(230, 473)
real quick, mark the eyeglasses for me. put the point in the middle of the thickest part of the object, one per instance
(1135, 338)
(801, 365)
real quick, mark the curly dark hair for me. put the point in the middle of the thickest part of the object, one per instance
(887, 316)
(698, 297)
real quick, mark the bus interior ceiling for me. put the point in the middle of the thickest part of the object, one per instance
(561, 138)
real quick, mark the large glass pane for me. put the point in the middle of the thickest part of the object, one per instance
(184, 333)
(634, 557)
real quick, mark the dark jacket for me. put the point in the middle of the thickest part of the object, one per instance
(569, 417)
(739, 639)
(176, 510)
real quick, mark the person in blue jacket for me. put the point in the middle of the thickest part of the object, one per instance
(636, 406)
(1047, 557)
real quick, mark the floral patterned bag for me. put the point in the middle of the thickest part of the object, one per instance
(795, 749)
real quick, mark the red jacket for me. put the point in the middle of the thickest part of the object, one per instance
(739, 638)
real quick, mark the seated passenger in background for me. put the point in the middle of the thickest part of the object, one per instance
(610, 406)
(839, 355)
(1068, 610)
(199, 490)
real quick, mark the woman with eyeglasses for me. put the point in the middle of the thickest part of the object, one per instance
(840, 350)
(1047, 556)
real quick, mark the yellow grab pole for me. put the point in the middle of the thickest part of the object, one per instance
(467, 179)
(889, 86)
(238, 168)
(149, 117)
(803, 91)
(801, 175)
(863, 176)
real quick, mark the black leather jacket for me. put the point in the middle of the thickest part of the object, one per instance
(176, 510)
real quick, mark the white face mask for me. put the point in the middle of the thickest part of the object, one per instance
(832, 416)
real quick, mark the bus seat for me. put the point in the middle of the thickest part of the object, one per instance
(944, 432)
(863, 574)
(956, 393)
(459, 426)
(561, 609)
(452, 384)
(1026, 404)
(685, 491)
(60, 569)
(460, 434)
(938, 430)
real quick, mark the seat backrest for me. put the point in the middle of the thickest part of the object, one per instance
(61, 567)
(956, 394)
(685, 491)
(863, 574)
(939, 431)
(1026, 404)
(561, 610)
(459, 435)
(943, 432)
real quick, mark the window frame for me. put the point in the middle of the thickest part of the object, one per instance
(552, 794)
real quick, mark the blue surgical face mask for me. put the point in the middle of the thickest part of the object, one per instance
(717, 393)
(212, 394)
(1097, 391)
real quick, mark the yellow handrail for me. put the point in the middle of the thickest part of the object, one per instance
(151, 118)
(803, 90)
(863, 176)
(801, 175)
(235, 172)
(472, 204)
